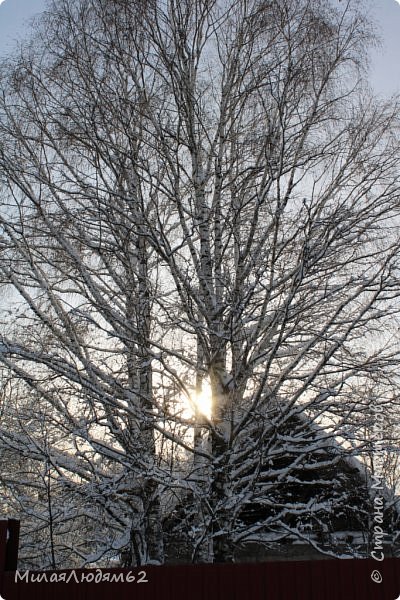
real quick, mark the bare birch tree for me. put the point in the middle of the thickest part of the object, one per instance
(203, 191)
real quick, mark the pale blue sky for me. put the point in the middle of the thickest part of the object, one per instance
(385, 68)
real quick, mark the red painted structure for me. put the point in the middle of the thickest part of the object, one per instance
(302, 580)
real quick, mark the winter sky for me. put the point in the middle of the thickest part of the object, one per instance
(385, 63)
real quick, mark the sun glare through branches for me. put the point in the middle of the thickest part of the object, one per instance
(203, 400)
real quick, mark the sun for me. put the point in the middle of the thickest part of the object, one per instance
(203, 400)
